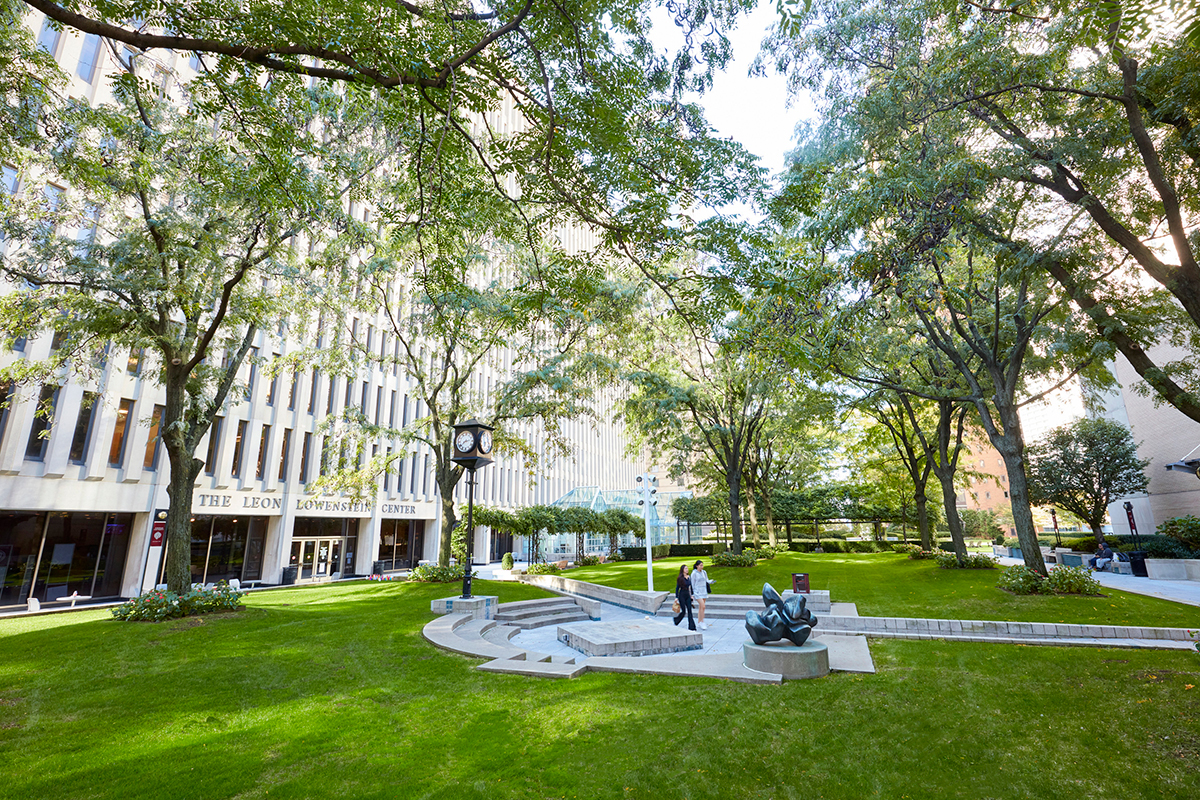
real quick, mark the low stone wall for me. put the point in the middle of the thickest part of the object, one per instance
(647, 602)
(1049, 630)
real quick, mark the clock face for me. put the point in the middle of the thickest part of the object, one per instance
(464, 441)
(485, 442)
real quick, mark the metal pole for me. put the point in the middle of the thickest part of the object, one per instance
(646, 496)
(470, 534)
(1054, 519)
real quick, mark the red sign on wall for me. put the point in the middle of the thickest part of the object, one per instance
(158, 529)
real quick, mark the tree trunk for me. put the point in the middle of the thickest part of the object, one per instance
(950, 501)
(770, 514)
(753, 508)
(449, 520)
(180, 486)
(923, 521)
(734, 480)
(1099, 534)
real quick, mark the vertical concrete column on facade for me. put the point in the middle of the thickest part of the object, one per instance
(104, 425)
(283, 526)
(16, 436)
(62, 430)
(137, 577)
(368, 540)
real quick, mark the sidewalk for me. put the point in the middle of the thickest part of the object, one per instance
(1187, 592)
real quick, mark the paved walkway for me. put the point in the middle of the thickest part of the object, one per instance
(1187, 592)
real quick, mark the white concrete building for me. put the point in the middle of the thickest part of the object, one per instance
(78, 507)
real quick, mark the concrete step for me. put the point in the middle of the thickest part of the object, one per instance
(526, 610)
(554, 618)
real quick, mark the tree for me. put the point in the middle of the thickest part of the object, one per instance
(705, 396)
(176, 240)
(1089, 134)
(1085, 466)
(981, 524)
(618, 521)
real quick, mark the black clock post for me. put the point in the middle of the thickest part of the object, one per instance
(472, 449)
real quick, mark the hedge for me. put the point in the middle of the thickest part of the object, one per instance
(639, 553)
(706, 549)
(837, 546)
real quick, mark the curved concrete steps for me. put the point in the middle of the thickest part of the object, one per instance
(526, 614)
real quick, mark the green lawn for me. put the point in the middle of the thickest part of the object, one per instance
(331, 692)
(892, 585)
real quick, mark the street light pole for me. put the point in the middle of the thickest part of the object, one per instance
(647, 488)
(1054, 519)
(470, 533)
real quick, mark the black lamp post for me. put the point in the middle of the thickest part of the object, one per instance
(472, 447)
(1054, 519)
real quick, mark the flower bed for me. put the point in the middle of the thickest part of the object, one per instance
(157, 605)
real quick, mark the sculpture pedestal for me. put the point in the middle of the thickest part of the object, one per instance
(810, 660)
(479, 606)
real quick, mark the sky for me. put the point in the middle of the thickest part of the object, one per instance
(752, 110)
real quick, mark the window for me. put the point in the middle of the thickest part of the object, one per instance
(366, 388)
(116, 450)
(58, 340)
(284, 452)
(194, 60)
(332, 389)
(312, 391)
(48, 38)
(43, 419)
(214, 437)
(154, 440)
(89, 56)
(387, 476)
(264, 442)
(238, 448)
(304, 451)
(425, 479)
(412, 474)
(378, 404)
(83, 428)
(349, 393)
(370, 338)
(405, 423)
(134, 365)
(295, 387)
(392, 413)
(10, 178)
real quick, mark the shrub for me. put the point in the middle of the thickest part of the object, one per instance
(1165, 547)
(1071, 580)
(998, 539)
(432, 573)
(587, 561)
(543, 569)
(911, 549)
(1012, 541)
(156, 606)
(1020, 579)
(1185, 529)
(506, 561)
(689, 550)
(760, 553)
(971, 561)
(730, 559)
(639, 553)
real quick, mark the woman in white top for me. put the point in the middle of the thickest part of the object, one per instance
(700, 589)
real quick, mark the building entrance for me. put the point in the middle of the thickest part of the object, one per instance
(323, 549)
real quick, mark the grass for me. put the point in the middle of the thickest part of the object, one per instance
(892, 585)
(331, 692)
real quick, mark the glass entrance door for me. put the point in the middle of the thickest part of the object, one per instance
(306, 560)
(323, 558)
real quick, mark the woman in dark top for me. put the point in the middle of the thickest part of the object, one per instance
(683, 593)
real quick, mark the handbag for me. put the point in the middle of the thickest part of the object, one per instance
(676, 607)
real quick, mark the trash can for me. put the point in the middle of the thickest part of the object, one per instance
(1137, 562)
(289, 576)
(377, 568)
(800, 582)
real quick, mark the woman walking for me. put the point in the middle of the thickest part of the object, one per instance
(700, 589)
(683, 595)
